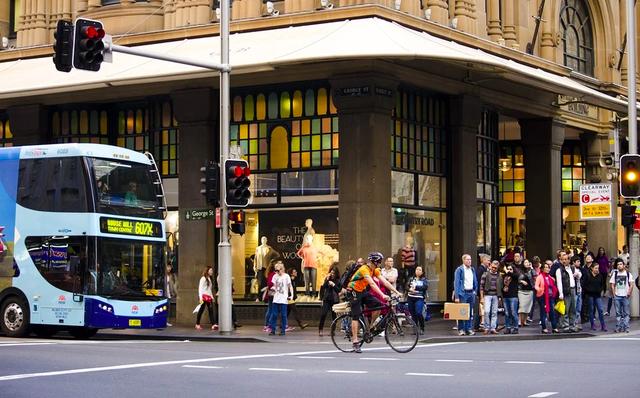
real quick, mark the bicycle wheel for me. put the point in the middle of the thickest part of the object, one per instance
(401, 333)
(341, 333)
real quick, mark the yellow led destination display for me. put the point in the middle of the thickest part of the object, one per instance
(130, 227)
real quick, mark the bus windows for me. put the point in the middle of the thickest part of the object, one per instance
(52, 184)
(61, 260)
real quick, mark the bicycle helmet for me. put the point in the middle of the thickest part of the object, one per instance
(375, 257)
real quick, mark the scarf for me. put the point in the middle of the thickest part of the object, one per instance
(548, 281)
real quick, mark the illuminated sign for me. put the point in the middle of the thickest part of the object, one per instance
(130, 227)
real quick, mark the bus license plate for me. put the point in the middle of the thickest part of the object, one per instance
(135, 322)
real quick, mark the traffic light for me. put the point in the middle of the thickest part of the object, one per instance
(630, 176)
(237, 177)
(63, 46)
(237, 221)
(88, 45)
(628, 215)
(209, 181)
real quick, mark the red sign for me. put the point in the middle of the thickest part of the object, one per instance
(218, 221)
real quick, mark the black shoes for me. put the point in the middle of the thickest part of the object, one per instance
(356, 348)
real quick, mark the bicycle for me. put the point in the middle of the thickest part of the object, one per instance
(400, 331)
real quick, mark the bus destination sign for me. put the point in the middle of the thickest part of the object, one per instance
(130, 227)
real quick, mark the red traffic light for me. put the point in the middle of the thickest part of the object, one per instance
(93, 32)
(240, 171)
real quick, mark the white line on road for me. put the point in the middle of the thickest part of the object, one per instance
(272, 369)
(189, 361)
(614, 338)
(379, 359)
(429, 374)
(454, 360)
(310, 357)
(542, 395)
(525, 362)
(348, 371)
(23, 344)
(202, 367)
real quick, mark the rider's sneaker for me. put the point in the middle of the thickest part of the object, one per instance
(356, 348)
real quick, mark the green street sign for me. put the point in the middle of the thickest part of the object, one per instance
(199, 214)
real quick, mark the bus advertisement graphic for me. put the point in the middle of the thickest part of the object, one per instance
(9, 161)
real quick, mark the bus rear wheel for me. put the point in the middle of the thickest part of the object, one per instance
(83, 333)
(15, 317)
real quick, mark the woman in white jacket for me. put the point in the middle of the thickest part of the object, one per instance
(205, 296)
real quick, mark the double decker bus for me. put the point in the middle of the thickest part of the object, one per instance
(83, 240)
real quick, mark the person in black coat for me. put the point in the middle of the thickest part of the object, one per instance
(329, 292)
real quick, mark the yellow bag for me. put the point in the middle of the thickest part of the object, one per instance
(559, 307)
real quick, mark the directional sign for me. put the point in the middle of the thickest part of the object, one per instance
(595, 202)
(199, 214)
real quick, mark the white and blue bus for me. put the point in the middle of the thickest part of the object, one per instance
(82, 240)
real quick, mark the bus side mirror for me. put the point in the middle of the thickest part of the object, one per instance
(77, 298)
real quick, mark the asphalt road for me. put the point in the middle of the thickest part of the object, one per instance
(591, 367)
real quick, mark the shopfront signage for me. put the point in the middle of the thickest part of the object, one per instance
(595, 202)
(573, 105)
(354, 91)
(121, 226)
(199, 214)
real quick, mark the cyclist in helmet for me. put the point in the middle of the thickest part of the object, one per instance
(360, 285)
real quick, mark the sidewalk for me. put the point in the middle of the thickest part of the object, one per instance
(436, 331)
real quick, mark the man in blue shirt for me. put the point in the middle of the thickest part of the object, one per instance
(465, 285)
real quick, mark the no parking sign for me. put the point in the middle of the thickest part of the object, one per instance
(595, 202)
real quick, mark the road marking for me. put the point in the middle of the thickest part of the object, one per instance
(542, 395)
(23, 344)
(379, 359)
(202, 367)
(614, 338)
(429, 374)
(348, 371)
(309, 357)
(525, 362)
(272, 369)
(454, 360)
(192, 361)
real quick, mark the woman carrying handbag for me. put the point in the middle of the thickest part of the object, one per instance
(205, 295)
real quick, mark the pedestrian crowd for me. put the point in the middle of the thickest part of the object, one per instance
(568, 291)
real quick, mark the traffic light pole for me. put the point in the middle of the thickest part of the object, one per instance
(634, 242)
(224, 247)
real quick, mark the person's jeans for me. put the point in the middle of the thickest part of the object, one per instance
(578, 308)
(490, 312)
(622, 313)
(416, 306)
(511, 312)
(594, 303)
(568, 320)
(326, 309)
(465, 326)
(278, 309)
(267, 316)
(310, 280)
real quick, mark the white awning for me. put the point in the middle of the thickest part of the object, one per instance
(368, 38)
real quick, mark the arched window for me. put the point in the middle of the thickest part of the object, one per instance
(577, 36)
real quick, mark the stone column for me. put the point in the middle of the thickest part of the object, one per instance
(465, 11)
(465, 113)
(601, 232)
(439, 11)
(364, 104)
(494, 25)
(543, 138)
(547, 37)
(510, 36)
(197, 112)
(29, 124)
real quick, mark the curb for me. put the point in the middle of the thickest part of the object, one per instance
(225, 339)
(518, 337)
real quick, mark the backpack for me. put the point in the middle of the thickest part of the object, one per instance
(348, 274)
(615, 278)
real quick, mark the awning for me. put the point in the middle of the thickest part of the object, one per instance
(367, 38)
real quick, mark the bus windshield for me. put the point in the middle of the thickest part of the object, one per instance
(128, 269)
(124, 188)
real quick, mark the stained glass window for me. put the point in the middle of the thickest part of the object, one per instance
(80, 125)
(6, 137)
(573, 172)
(285, 129)
(577, 36)
(511, 173)
(418, 141)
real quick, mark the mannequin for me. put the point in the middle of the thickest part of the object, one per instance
(264, 254)
(308, 223)
(408, 257)
(309, 255)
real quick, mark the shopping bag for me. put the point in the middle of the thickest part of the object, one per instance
(426, 314)
(457, 311)
(559, 307)
(195, 310)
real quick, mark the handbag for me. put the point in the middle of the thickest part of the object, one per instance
(559, 307)
(206, 298)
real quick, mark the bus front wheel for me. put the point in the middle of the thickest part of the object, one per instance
(15, 317)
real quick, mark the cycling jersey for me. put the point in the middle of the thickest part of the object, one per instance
(358, 281)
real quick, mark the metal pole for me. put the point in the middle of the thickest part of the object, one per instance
(166, 57)
(633, 138)
(224, 248)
